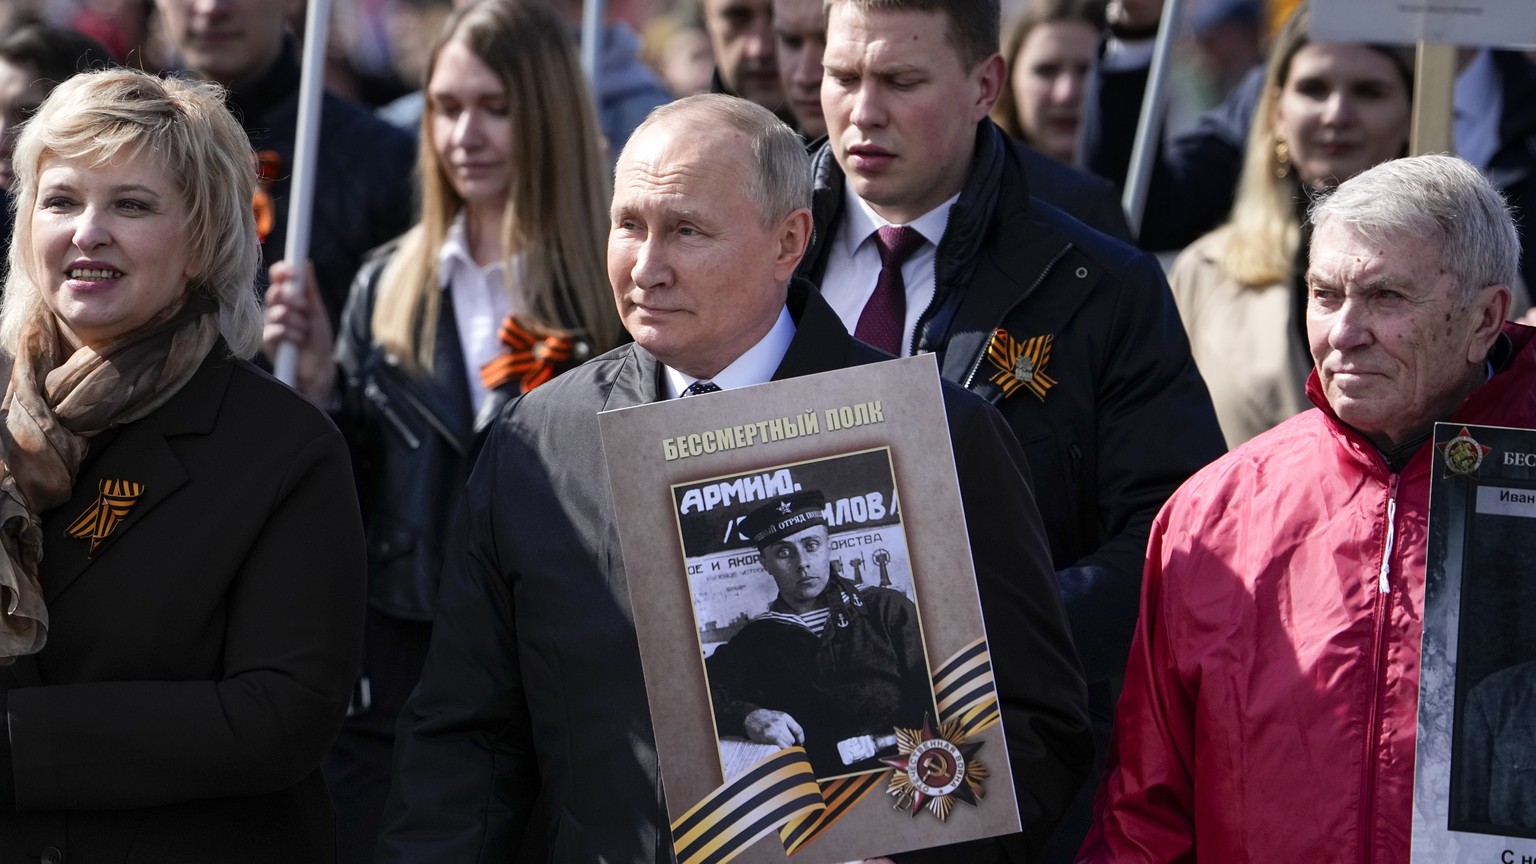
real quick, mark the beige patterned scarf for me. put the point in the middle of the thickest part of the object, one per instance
(51, 409)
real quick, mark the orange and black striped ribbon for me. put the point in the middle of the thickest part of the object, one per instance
(1004, 354)
(533, 356)
(734, 816)
(840, 795)
(100, 519)
(964, 688)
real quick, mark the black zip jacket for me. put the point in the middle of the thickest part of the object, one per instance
(1127, 418)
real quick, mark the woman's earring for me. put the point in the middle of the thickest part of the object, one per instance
(1282, 159)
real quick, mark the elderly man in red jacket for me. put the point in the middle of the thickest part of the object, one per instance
(1269, 709)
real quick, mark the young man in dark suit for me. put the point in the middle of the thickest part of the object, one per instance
(1072, 334)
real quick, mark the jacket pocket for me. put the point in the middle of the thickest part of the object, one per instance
(1057, 470)
(402, 569)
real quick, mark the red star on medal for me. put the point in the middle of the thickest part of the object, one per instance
(935, 769)
(1462, 454)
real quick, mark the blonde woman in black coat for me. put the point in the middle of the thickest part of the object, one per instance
(181, 589)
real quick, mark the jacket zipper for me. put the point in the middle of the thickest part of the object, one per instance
(376, 395)
(1039, 280)
(1378, 669)
(1383, 587)
(922, 319)
(434, 421)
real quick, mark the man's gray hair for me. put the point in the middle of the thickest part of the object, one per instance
(1433, 199)
(779, 181)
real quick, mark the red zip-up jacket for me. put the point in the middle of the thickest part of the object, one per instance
(1271, 697)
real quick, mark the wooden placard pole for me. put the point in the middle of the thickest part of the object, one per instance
(1434, 85)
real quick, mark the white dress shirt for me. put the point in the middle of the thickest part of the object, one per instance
(481, 301)
(755, 366)
(853, 263)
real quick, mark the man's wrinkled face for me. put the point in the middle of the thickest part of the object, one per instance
(1394, 349)
(696, 275)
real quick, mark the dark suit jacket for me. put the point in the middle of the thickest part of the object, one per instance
(363, 174)
(530, 731)
(199, 663)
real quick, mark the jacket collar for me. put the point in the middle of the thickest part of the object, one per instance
(1505, 399)
(968, 219)
(821, 341)
(442, 398)
(637, 380)
(979, 197)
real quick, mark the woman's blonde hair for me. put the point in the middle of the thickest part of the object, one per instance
(556, 204)
(183, 125)
(1265, 225)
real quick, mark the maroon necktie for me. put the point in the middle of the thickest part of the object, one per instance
(883, 321)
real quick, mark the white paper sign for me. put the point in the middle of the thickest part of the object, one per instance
(1458, 22)
(1499, 501)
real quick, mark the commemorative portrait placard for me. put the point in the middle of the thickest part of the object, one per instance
(1475, 774)
(806, 610)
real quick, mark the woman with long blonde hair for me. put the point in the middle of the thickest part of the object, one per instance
(498, 287)
(1329, 110)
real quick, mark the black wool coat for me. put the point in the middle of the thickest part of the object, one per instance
(199, 662)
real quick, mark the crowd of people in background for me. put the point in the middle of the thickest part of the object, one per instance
(920, 176)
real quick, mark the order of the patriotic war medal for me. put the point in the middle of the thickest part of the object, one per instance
(933, 770)
(1463, 455)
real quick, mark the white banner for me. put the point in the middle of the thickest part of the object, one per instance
(1492, 23)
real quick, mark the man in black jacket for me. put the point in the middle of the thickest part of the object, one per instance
(363, 172)
(1071, 334)
(529, 737)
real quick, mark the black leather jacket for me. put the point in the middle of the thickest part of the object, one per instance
(414, 441)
